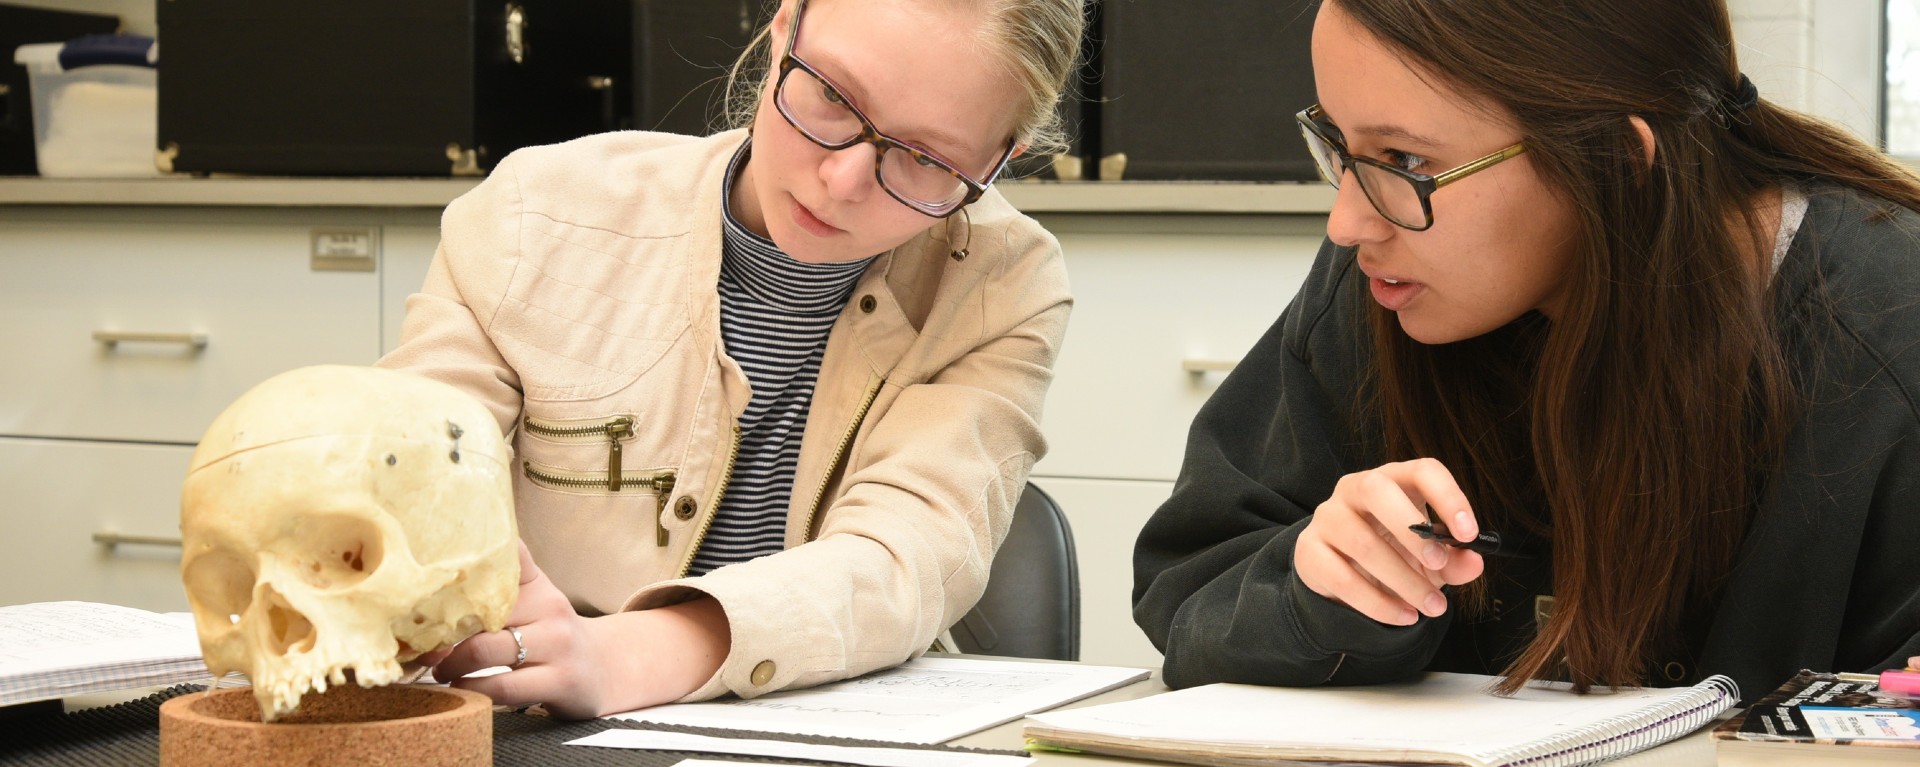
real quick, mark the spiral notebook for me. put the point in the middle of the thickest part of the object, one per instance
(1433, 719)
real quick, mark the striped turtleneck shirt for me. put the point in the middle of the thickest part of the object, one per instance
(775, 313)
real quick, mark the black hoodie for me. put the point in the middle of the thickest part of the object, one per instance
(1828, 577)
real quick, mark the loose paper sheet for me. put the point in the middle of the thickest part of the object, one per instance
(54, 649)
(870, 757)
(55, 635)
(927, 700)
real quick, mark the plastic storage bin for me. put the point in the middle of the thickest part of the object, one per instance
(91, 121)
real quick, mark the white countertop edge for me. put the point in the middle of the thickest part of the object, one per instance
(1029, 196)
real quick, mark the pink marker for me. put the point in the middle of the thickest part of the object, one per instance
(1904, 682)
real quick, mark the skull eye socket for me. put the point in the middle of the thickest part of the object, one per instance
(220, 586)
(340, 551)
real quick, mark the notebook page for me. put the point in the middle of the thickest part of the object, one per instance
(929, 699)
(1437, 713)
(49, 636)
(55, 649)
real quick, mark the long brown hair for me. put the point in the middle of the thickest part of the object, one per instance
(1641, 425)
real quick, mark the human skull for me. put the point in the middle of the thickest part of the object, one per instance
(339, 517)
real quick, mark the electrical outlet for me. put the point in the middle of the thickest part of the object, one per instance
(344, 250)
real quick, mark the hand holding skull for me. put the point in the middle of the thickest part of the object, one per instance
(580, 667)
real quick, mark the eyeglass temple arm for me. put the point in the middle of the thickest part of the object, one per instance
(1477, 165)
(1006, 158)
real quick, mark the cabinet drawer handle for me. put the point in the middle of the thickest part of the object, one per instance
(114, 338)
(111, 540)
(1197, 366)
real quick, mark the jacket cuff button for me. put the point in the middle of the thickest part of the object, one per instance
(763, 673)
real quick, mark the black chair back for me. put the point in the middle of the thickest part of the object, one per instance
(1031, 608)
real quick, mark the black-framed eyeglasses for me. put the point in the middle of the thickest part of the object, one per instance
(821, 111)
(1400, 195)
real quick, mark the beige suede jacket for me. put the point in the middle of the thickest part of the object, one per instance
(575, 292)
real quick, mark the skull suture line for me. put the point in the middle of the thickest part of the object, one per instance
(343, 518)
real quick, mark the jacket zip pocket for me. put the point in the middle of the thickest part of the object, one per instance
(615, 479)
(657, 481)
(613, 431)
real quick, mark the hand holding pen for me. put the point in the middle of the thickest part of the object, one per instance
(1360, 547)
(1487, 543)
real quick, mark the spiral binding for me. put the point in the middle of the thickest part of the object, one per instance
(1630, 732)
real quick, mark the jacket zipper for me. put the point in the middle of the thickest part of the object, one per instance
(614, 430)
(713, 509)
(659, 481)
(840, 453)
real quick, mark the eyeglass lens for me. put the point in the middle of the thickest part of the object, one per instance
(823, 114)
(1393, 195)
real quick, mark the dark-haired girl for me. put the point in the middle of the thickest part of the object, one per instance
(1587, 289)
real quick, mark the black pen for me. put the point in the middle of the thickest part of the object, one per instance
(1487, 544)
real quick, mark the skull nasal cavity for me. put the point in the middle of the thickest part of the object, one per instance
(287, 630)
(338, 551)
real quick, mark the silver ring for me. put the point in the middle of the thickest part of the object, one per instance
(522, 657)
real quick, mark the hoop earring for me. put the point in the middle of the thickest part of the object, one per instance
(960, 254)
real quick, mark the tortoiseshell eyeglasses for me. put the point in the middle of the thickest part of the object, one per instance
(915, 176)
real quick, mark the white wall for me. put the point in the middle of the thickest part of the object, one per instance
(1821, 57)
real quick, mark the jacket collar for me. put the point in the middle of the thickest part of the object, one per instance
(904, 282)
(882, 335)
